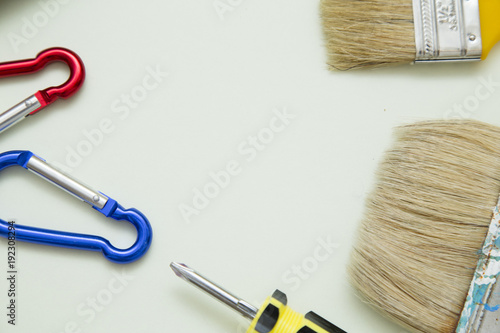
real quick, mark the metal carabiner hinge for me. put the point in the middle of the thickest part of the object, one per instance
(42, 98)
(100, 202)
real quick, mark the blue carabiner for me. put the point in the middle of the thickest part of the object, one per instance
(107, 206)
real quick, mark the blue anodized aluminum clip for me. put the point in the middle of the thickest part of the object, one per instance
(103, 204)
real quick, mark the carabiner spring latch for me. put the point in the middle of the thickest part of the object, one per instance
(100, 202)
(42, 98)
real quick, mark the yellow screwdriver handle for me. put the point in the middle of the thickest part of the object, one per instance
(489, 13)
(276, 317)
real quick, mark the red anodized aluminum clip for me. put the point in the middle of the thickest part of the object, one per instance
(42, 98)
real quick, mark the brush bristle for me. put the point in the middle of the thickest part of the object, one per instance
(426, 221)
(368, 33)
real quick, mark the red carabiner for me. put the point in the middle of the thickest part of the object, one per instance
(42, 98)
(49, 95)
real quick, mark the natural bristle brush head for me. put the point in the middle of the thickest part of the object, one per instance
(368, 33)
(425, 222)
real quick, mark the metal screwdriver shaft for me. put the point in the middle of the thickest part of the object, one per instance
(191, 276)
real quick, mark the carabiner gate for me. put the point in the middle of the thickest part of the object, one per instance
(100, 202)
(42, 98)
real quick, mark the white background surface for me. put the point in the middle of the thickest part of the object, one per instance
(226, 76)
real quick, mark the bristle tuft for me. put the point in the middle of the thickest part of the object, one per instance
(368, 33)
(426, 221)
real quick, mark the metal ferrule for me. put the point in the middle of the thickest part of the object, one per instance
(41, 168)
(18, 112)
(485, 317)
(490, 317)
(447, 30)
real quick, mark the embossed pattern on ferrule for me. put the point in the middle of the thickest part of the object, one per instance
(447, 30)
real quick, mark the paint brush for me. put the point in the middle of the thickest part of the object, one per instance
(374, 33)
(428, 249)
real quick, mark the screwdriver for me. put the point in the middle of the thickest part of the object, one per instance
(273, 317)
